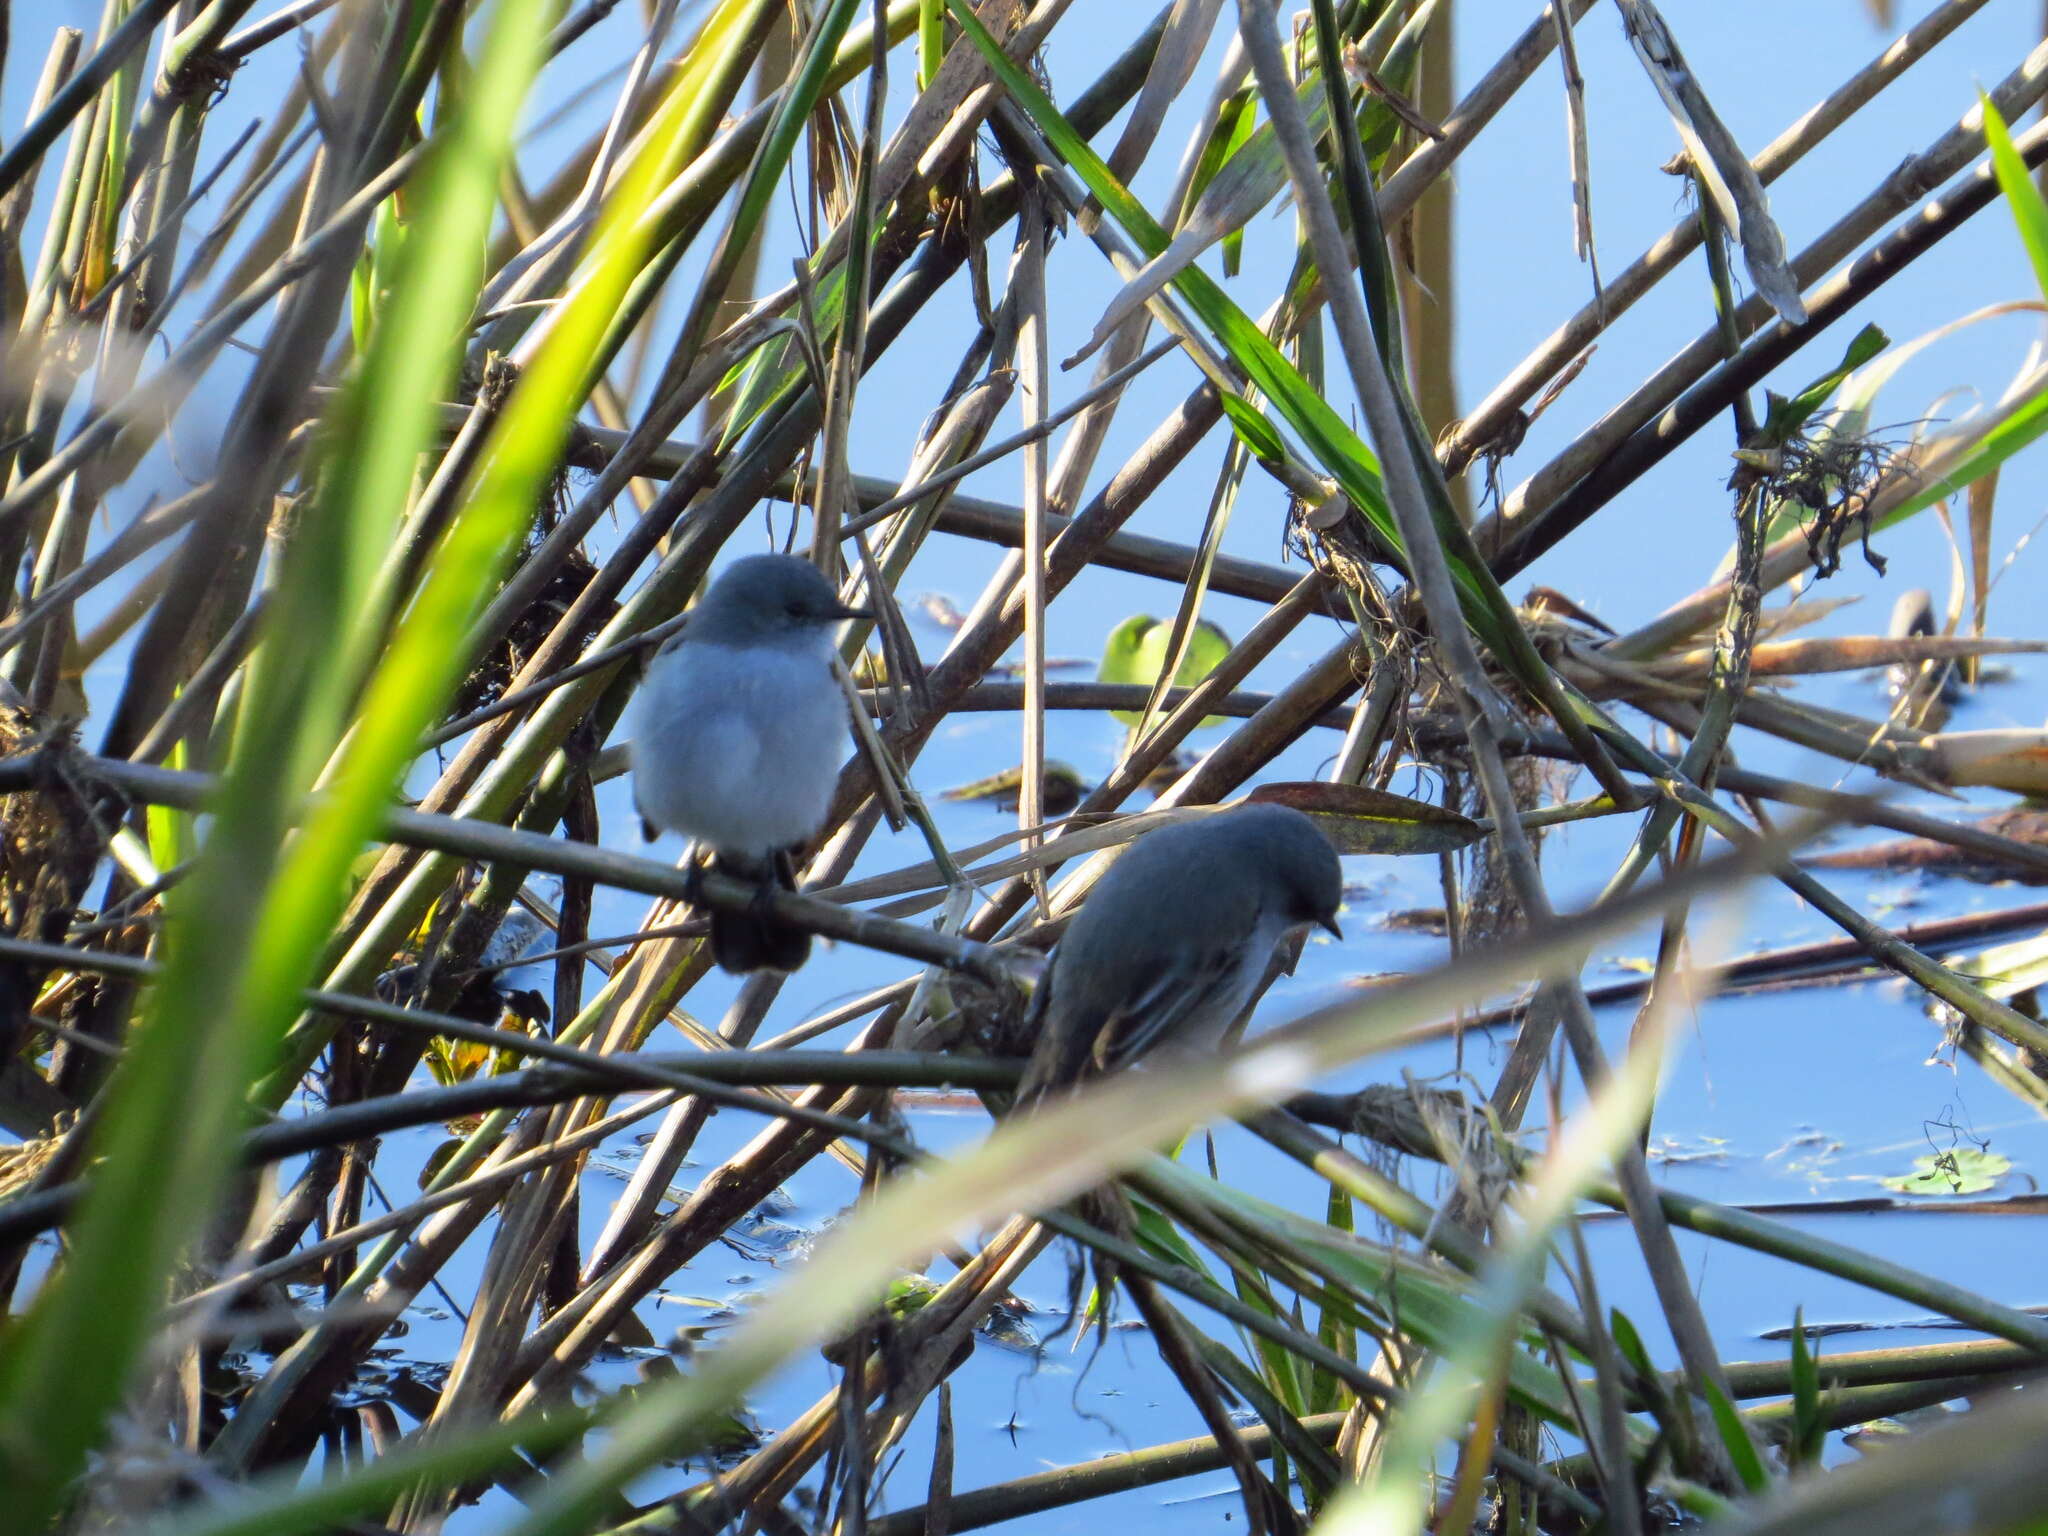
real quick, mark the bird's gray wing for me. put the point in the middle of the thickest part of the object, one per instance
(1082, 1035)
(1176, 998)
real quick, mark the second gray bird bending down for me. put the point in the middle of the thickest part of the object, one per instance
(739, 733)
(1170, 945)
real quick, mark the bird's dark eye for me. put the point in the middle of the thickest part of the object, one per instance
(794, 610)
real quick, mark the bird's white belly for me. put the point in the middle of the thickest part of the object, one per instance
(738, 749)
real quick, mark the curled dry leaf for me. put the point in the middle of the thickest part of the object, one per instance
(1361, 820)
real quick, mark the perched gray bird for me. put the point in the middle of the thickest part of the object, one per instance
(739, 731)
(1167, 949)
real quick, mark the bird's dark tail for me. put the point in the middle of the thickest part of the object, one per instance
(1060, 1051)
(754, 940)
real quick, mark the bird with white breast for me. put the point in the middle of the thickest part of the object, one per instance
(739, 732)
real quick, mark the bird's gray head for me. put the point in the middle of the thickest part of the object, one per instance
(1284, 846)
(768, 598)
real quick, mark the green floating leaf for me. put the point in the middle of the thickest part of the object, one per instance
(1360, 820)
(1136, 653)
(1962, 1171)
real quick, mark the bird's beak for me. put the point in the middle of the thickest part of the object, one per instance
(1329, 926)
(854, 613)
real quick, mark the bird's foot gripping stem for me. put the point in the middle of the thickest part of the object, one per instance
(694, 864)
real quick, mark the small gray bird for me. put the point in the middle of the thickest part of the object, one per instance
(1169, 946)
(739, 731)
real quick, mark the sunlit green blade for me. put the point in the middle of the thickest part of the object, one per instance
(244, 931)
